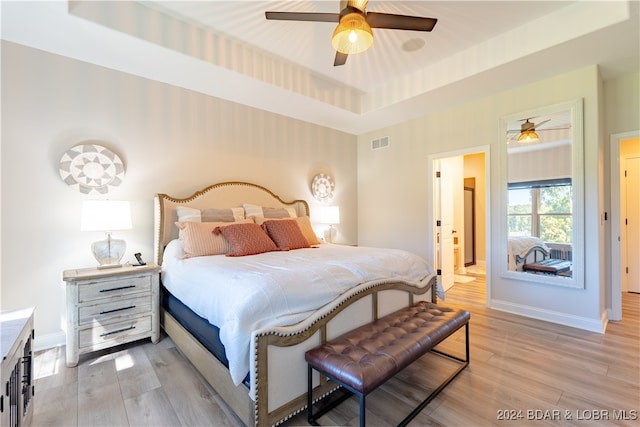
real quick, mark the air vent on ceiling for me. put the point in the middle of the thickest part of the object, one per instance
(382, 142)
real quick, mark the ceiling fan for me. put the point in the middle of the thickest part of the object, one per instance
(528, 131)
(353, 33)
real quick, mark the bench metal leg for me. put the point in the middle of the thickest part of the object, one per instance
(465, 363)
(310, 418)
(329, 402)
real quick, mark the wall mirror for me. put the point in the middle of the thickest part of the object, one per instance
(543, 206)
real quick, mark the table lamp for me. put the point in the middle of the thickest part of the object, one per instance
(329, 215)
(107, 216)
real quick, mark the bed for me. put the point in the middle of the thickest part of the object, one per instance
(526, 249)
(533, 255)
(308, 295)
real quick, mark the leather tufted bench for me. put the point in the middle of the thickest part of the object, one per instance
(364, 358)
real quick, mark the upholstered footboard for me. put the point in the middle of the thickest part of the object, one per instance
(279, 369)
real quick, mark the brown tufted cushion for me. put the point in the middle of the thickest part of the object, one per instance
(369, 355)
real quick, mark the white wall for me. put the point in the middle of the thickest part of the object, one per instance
(171, 140)
(394, 196)
(533, 165)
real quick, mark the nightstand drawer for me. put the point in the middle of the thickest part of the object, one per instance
(113, 333)
(116, 309)
(109, 288)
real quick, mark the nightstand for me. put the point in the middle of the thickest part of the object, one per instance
(110, 307)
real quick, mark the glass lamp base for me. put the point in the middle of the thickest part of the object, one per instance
(329, 234)
(109, 252)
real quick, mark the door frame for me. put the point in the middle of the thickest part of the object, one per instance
(615, 311)
(433, 213)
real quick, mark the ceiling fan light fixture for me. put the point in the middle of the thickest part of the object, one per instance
(352, 35)
(528, 136)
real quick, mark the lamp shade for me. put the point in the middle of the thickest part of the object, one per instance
(352, 35)
(105, 215)
(329, 215)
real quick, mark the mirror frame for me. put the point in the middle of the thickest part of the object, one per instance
(575, 108)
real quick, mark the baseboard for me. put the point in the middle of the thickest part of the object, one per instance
(45, 342)
(588, 324)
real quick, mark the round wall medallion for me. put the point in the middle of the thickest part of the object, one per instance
(322, 187)
(91, 168)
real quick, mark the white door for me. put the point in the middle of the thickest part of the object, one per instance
(631, 226)
(446, 217)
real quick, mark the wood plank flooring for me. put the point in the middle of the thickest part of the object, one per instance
(522, 372)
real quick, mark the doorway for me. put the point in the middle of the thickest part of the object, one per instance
(461, 218)
(625, 150)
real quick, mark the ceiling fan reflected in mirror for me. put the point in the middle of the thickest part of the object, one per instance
(528, 132)
(353, 33)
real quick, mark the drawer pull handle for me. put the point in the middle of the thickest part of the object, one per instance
(117, 309)
(117, 331)
(117, 289)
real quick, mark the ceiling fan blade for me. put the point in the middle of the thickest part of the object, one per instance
(303, 16)
(542, 123)
(341, 59)
(400, 22)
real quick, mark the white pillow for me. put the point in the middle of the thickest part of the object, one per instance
(187, 214)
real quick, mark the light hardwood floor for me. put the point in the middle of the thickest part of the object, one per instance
(522, 372)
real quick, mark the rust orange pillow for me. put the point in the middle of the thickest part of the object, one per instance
(303, 222)
(246, 239)
(286, 234)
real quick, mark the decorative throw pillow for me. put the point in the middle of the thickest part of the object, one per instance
(246, 239)
(303, 222)
(286, 234)
(307, 230)
(199, 239)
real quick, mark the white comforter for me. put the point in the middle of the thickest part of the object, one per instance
(243, 294)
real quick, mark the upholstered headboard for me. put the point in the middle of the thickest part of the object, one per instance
(221, 195)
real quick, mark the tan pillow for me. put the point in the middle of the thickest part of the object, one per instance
(189, 214)
(266, 212)
(307, 231)
(303, 222)
(222, 215)
(286, 234)
(199, 239)
(246, 239)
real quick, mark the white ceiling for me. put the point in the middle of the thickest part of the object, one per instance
(229, 50)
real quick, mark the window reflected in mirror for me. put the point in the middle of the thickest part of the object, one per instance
(540, 195)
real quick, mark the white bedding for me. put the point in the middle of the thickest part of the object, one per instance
(243, 294)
